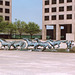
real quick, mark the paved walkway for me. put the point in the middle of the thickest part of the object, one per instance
(36, 63)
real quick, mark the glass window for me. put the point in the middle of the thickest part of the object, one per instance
(7, 18)
(1, 2)
(1, 10)
(61, 17)
(54, 1)
(61, 1)
(46, 10)
(7, 11)
(47, 2)
(61, 9)
(53, 17)
(54, 9)
(46, 18)
(7, 3)
(69, 0)
(69, 8)
(69, 16)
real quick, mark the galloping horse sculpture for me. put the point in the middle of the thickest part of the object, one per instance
(54, 43)
(30, 43)
(69, 44)
(43, 44)
(37, 44)
(22, 44)
(36, 39)
(5, 43)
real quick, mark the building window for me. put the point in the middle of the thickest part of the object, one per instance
(46, 18)
(54, 9)
(7, 3)
(1, 2)
(61, 17)
(69, 8)
(53, 17)
(7, 18)
(61, 9)
(46, 10)
(69, 0)
(61, 1)
(47, 2)
(7, 11)
(69, 16)
(54, 1)
(1, 10)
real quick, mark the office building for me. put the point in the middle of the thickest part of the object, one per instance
(6, 10)
(61, 15)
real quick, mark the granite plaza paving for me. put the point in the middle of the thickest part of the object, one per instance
(36, 63)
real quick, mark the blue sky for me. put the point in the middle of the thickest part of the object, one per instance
(27, 10)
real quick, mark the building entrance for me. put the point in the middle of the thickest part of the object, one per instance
(65, 29)
(51, 32)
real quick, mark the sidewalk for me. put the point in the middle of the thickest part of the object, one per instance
(36, 63)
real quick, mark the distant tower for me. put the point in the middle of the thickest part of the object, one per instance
(6, 10)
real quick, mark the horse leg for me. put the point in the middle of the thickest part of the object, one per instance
(58, 45)
(27, 47)
(8, 48)
(44, 48)
(35, 47)
(15, 46)
(4, 48)
(23, 46)
(53, 47)
(49, 46)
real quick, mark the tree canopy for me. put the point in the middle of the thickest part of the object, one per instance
(19, 27)
(32, 28)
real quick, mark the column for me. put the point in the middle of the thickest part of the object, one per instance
(44, 33)
(73, 31)
(54, 32)
(58, 32)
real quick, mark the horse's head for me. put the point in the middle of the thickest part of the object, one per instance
(72, 41)
(2, 40)
(51, 40)
(64, 41)
(48, 41)
(24, 38)
(36, 39)
(30, 40)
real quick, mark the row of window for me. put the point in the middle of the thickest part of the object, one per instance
(47, 2)
(6, 10)
(69, 8)
(61, 17)
(7, 3)
(7, 18)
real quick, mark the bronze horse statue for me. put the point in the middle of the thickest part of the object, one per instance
(37, 44)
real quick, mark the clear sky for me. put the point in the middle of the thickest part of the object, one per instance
(27, 10)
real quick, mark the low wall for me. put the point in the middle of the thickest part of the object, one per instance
(69, 36)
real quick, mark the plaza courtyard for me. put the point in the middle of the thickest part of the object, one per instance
(15, 62)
